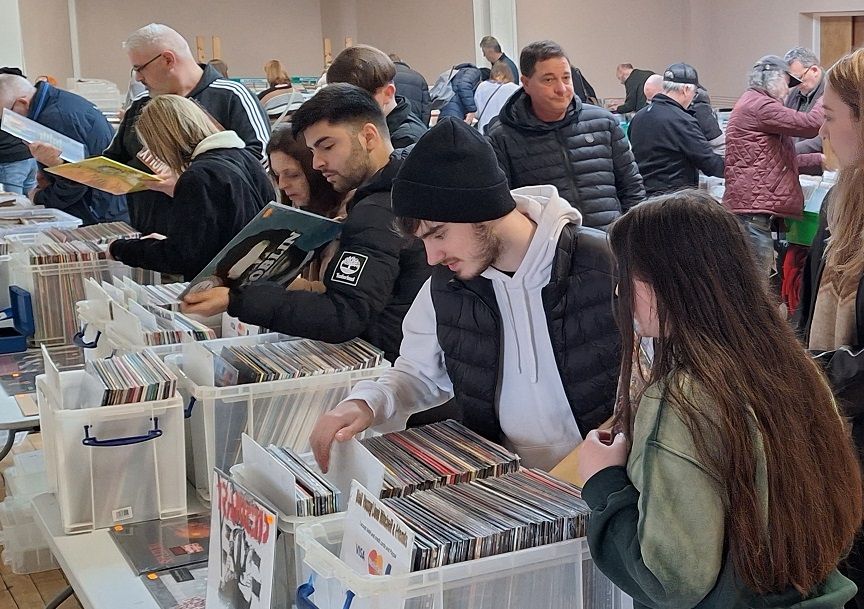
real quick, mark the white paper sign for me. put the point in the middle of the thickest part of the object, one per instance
(376, 541)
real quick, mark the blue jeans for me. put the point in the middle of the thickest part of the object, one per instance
(18, 176)
(758, 227)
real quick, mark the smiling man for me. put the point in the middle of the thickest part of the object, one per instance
(516, 323)
(376, 273)
(546, 135)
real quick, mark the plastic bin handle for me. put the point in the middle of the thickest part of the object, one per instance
(187, 412)
(306, 590)
(128, 440)
(78, 339)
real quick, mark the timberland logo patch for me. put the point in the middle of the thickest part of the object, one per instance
(349, 268)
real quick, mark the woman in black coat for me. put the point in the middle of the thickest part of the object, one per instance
(220, 188)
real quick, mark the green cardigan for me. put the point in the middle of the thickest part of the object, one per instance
(657, 526)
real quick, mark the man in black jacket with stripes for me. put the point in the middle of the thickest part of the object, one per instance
(162, 60)
(375, 275)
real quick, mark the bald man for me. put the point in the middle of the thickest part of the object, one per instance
(652, 86)
(163, 62)
(76, 118)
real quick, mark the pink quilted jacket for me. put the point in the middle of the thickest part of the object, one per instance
(761, 163)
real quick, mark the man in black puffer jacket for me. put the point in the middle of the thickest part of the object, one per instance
(411, 85)
(546, 135)
(516, 324)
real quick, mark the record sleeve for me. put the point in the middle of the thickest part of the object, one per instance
(158, 545)
(105, 174)
(274, 246)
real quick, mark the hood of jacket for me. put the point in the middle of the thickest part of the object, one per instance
(399, 114)
(550, 213)
(382, 181)
(518, 113)
(223, 139)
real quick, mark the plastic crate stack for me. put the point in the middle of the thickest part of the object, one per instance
(113, 437)
(25, 549)
(53, 266)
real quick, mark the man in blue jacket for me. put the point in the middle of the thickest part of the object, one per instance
(74, 117)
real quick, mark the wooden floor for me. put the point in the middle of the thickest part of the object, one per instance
(36, 590)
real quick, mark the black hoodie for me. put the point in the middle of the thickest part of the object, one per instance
(584, 155)
(370, 284)
(229, 102)
(405, 128)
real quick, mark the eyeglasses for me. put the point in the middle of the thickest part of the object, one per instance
(140, 68)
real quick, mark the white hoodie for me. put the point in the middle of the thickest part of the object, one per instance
(533, 410)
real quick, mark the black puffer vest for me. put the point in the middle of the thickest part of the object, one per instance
(585, 339)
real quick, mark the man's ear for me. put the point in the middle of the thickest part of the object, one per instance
(23, 101)
(369, 136)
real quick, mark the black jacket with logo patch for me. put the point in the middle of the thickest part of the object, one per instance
(370, 284)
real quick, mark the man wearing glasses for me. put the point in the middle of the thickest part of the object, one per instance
(163, 62)
(804, 65)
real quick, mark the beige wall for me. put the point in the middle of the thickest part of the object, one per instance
(251, 32)
(728, 37)
(338, 22)
(597, 37)
(45, 36)
(429, 36)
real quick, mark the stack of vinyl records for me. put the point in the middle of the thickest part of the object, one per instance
(66, 251)
(436, 455)
(483, 518)
(295, 359)
(95, 233)
(166, 296)
(316, 496)
(173, 327)
(134, 377)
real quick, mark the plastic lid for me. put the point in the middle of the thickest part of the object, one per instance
(22, 310)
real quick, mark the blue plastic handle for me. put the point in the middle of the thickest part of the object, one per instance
(127, 441)
(187, 412)
(78, 339)
(306, 590)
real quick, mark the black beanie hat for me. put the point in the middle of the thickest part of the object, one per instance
(452, 175)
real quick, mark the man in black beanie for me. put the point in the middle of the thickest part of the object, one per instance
(376, 273)
(516, 322)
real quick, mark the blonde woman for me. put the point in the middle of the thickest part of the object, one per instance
(277, 78)
(832, 299)
(221, 186)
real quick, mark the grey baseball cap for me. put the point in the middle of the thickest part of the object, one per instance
(775, 63)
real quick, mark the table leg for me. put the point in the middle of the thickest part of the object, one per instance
(10, 440)
(58, 600)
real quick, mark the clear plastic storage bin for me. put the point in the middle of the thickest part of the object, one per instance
(60, 219)
(25, 549)
(274, 412)
(111, 464)
(555, 576)
(57, 288)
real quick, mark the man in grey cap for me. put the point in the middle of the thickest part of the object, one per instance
(762, 165)
(669, 146)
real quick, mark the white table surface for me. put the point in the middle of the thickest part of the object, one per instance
(94, 565)
(97, 571)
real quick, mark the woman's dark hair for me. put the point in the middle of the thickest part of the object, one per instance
(323, 200)
(722, 335)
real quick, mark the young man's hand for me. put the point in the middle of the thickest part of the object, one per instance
(341, 424)
(207, 302)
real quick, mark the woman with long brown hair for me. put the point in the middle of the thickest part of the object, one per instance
(832, 297)
(733, 482)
